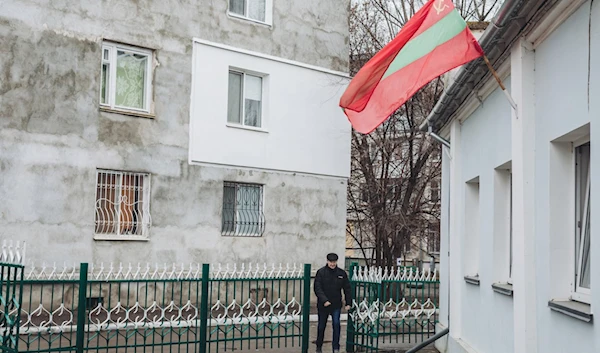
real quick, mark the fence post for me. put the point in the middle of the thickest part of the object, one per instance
(306, 309)
(350, 336)
(82, 307)
(204, 307)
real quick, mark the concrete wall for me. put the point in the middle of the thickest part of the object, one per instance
(53, 135)
(556, 107)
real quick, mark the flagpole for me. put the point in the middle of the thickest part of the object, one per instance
(510, 100)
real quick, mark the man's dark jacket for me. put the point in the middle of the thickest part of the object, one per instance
(328, 287)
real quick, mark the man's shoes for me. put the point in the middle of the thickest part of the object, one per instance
(319, 350)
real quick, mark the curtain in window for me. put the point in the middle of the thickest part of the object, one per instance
(131, 203)
(106, 207)
(256, 9)
(234, 106)
(131, 80)
(237, 6)
(252, 102)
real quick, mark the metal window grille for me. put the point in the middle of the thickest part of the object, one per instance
(122, 204)
(243, 210)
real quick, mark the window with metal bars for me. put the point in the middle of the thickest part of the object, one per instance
(122, 205)
(243, 210)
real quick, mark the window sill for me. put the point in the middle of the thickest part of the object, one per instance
(248, 19)
(474, 280)
(106, 237)
(241, 235)
(243, 127)
(503, 288)
(573, 309)
(127, 112)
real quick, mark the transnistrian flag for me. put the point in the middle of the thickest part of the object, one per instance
(434, 41)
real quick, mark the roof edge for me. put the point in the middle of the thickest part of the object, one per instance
(512, 19)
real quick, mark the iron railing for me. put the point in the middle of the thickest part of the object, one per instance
(170, 309)
(391, 306)
(11, 291)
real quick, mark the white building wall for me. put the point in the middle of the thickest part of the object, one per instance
(485, 146)
(563, 110)
(304, 130)
(561, 89)
(594, 168)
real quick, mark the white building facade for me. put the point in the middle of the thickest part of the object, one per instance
(207, 132)
(518, 243)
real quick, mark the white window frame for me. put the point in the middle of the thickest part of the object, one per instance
(112, 81)
(510, 227)
(268, 13)
(242, 122)
(145, 223)
(579, 293)
(472, 234)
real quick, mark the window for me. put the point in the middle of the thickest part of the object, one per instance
(245, 99)
(472, 215)
(433, 238)
(122, 205)
(243, 210)
(510, 228)
(435, 191)
(252, 9)
(365, 193)
(582, 224)
(126, 77)
(407, 247)
(503, 229)
(391, 188)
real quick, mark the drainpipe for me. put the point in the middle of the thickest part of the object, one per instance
(429, 341)
(437, 137)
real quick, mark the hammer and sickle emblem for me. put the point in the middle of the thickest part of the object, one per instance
(439, 6)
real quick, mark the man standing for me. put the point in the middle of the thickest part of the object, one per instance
(329, 283)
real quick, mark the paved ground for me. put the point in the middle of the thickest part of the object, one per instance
(129, 346)
(387, 347)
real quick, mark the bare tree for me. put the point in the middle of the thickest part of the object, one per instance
(393, 197)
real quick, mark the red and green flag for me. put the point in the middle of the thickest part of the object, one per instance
(434, 41)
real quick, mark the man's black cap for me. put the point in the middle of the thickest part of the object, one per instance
(332, 257)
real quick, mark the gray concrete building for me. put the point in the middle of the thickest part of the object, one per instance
(174, 131)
